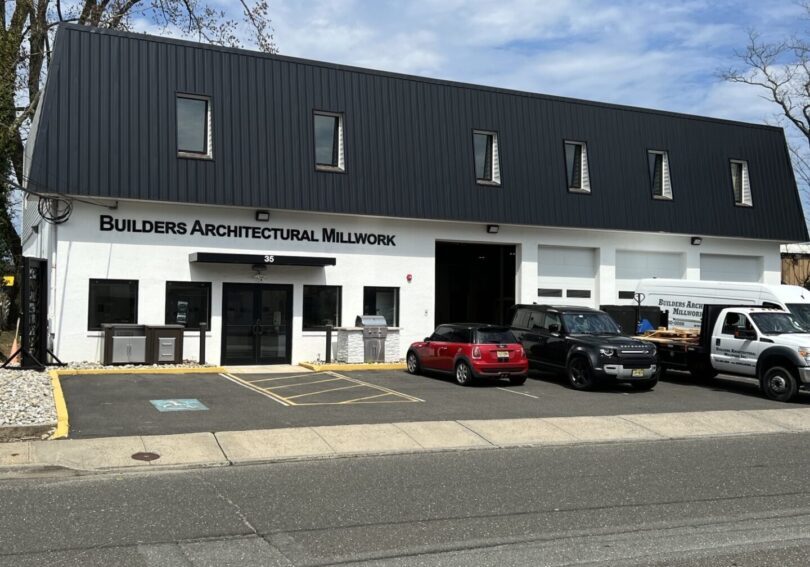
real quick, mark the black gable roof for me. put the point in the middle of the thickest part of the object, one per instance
(106, 128)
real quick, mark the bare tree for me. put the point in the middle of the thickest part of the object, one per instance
(26, 35)
(781, 70)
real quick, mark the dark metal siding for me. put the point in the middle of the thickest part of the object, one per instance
(108, 130)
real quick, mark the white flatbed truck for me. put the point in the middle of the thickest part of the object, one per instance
(765, 344)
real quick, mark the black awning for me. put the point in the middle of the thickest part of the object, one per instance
(265, 259)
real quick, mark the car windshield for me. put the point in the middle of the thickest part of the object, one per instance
(590, 324)
(777, 323)
(494, 336)
(800, 312)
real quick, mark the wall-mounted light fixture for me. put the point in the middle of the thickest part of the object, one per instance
(493, 228)
(696, 241)
(262, 216)
(258, 272)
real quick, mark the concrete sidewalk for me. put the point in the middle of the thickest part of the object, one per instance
(238, 447)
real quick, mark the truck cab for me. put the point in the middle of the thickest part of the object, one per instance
(767, 344)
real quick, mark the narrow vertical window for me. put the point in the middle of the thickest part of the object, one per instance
(329, 141)
(740, 183)
(576, 167)
(487, 167)
(658, 163)
(193, 126)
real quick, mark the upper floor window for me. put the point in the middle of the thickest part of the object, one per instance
(740, 183)
(329, 141)
(658, 162)
(576, 167)
(193, 126)
(487, 166)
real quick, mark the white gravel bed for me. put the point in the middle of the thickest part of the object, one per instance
(26, 398)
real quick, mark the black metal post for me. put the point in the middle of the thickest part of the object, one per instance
(328, 344)
(203, 327)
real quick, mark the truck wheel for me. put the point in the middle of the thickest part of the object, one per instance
(579, 373)
(413, 363)
(464, 375)
(644, 385)
(778, 383)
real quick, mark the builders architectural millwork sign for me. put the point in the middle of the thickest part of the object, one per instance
(108, 223)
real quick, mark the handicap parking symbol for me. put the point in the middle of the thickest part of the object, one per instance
(179, 405)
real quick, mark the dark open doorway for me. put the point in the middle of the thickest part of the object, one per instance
(474, 282)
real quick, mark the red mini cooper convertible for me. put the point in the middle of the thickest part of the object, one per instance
(470, 351)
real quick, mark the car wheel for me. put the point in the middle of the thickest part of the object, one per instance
(779, 383)
(644, 385)
(464, 375)
(517, 380)
(412, 362)
(579, 373)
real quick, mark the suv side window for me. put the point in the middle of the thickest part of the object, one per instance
(521, 319)
(535, 322)
(552, 319)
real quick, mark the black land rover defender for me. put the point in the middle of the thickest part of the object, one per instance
(586, 344)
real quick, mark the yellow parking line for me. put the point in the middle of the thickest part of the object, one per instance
(283, 378)
(324, 391)
(366, 398)
(300, 384)
(384, 389)
(256, 389)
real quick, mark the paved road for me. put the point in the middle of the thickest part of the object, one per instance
(740, 501)
(120, 405)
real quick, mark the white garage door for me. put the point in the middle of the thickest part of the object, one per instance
(728, 268)
(632, 266)
(566, 274)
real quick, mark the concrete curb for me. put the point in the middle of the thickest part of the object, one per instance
(226, 448)
(146, 370)
(337, 367)
(36, 430)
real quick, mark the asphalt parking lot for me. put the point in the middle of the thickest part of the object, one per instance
(147, 404)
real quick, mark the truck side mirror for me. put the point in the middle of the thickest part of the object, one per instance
(427, 339)
(554, 328)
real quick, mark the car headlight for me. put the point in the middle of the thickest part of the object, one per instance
(607, 352)
(653, 350)
(804, 352)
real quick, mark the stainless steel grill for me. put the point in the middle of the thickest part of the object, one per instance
(375, 330)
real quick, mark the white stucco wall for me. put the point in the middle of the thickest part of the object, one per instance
(83, 252)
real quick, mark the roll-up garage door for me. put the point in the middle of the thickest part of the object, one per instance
(730, 268)
(566, 274)
(632, 266)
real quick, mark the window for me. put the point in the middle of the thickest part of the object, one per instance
(740, 183)
(487, 166)
(329, 141)
(460, 335)
(627, 295)
(545, 292)
(112, 301)
(321, 307)
(193, 126)
(658, 163)
(578, 293)
(188, 304)
(536, 320)
(382, 301)
(735, 322)
(576, 167)
(442, 334)
(552, 322)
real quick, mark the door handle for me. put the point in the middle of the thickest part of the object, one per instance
(717, 342)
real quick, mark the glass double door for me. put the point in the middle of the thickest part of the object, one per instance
(256, 323)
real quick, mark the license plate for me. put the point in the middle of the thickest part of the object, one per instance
(638, 372)
(503, 354)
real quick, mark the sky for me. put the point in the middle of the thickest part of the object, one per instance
(663, 55)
